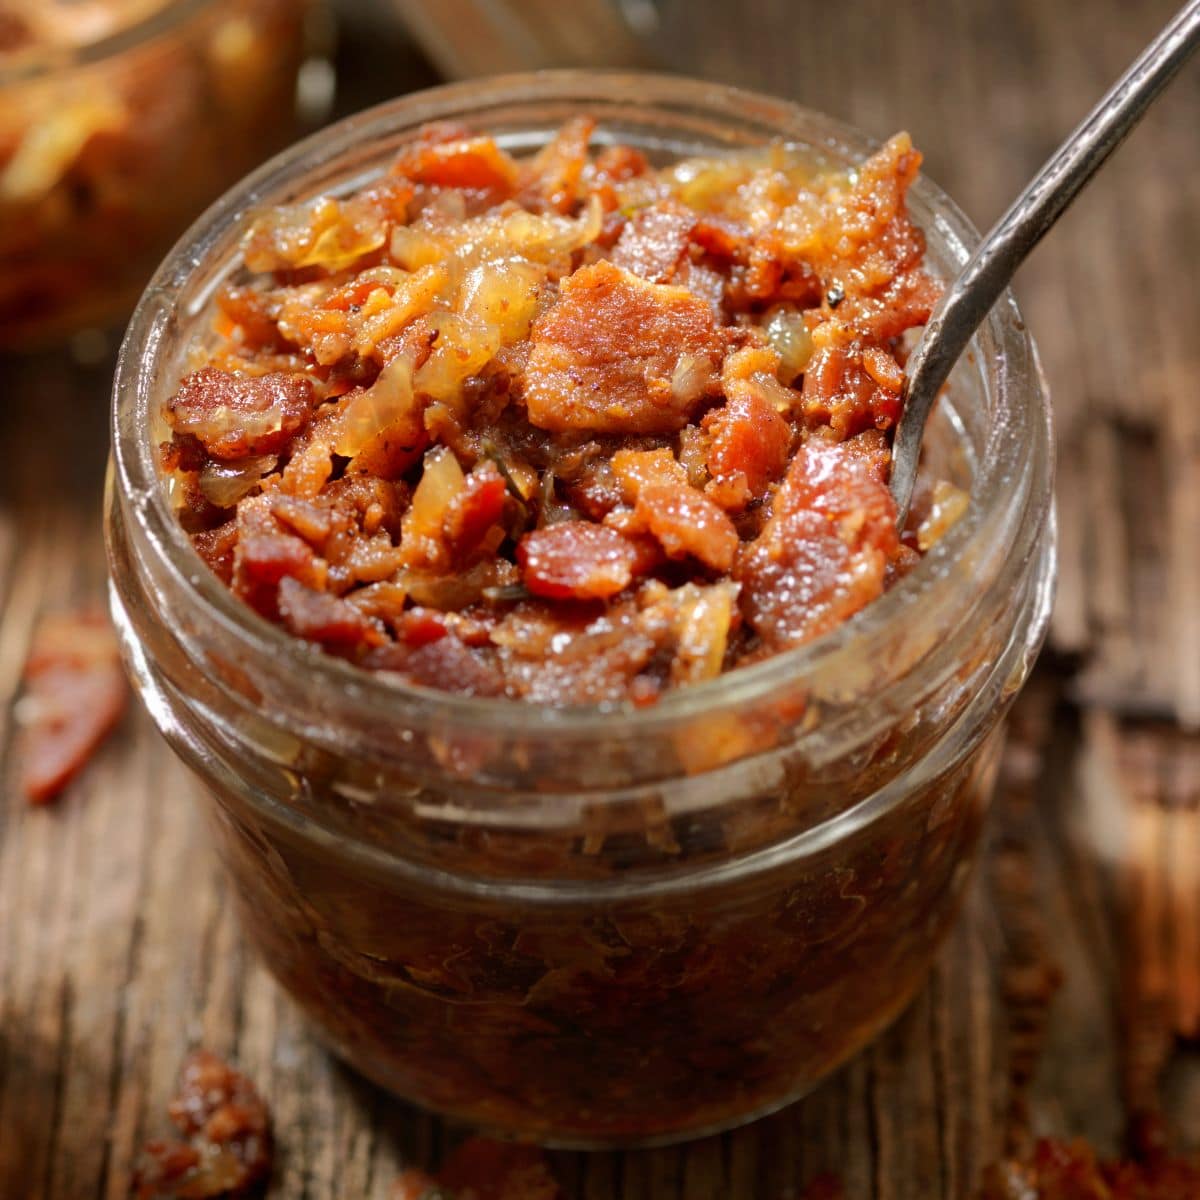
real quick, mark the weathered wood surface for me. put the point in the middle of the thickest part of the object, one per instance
(118, 949)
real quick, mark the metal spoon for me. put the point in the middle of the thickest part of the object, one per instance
(988, 271)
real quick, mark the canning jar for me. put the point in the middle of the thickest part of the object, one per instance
(595, 926)
(119, 122)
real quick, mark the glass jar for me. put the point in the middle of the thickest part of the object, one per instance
(109, 147)
(591, 927)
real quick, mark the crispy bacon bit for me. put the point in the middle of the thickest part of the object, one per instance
(323, 618)
(686, 523)
(555, 175)
(75, 693)
(636, 469)
(882, 367)
(476, 163)
(1071, 1171)
(604, 356)
(445, 662)
(476, 509)
(235, 416)
(839, 392)
(576, 560)
(228, 1151)
(216, 547)
(749, 442)
(654, 241)
(822, 554)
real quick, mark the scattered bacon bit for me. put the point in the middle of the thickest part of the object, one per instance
(576, 560)
(482, 1169)
(75, 693)
(654, 241)
(636, 469)
(228, 1151)
(1062, 1170)
(235, 416)
(824, 551)
(604, 356)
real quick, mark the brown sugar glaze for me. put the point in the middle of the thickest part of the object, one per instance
(572, 430)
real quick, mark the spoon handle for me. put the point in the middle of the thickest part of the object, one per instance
(988, 271)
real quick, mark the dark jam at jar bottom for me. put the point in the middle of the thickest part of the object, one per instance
(623, 1021)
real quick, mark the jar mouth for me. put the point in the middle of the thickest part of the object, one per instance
(1011, 470)
(59, 60)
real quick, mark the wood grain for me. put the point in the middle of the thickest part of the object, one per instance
(118, 948)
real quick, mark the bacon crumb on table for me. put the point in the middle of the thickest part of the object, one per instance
(75, 693)
(571, 429)
(226, 1150)
(1062, 1170)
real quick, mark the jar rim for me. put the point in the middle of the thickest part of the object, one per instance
(1010, 488)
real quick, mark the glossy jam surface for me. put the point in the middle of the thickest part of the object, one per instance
(572, 430)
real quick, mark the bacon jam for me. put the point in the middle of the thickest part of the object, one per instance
(577, 429)
(572, 430)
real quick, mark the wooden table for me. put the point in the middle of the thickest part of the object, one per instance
(118, 949)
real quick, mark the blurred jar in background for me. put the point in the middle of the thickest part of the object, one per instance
(466, 38)
(119, 121)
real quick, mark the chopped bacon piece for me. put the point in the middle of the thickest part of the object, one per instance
(476, 509)
(882, 367)
(469, 162)
(228, 1151)
(555, 174)
(323, 618)
(605, 356)
(446, 663)
(265, 554)
(235, 416)
(75, 693)
(824, 551)
(216, 547)
(576, 560)
(636, 469)
(686, 522)
(749, 439)
(839, 392)
(654, 241)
